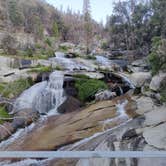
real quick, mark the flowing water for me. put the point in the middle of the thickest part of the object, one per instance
(68, 63)
(52, 96)
(47, 96)
(43, 97)
(103, 60)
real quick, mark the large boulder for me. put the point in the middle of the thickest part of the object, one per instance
(140, 78)
(139, 66)
(157, 81)
(156, 136)
(24, 117)
(71, 104)
(144, 104)
(155, 117)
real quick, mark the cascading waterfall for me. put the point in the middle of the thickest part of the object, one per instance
(49, 96)
(52, 96)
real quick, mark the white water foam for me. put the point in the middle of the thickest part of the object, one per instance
(52, 96)
(121, 110)
(16, 135)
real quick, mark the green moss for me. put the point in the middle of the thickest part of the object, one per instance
(42, 69)
(63, 48)
(92, 57)
(58, 68)
(13, 89)
(3, 114)
(82, 76)
(88, 87)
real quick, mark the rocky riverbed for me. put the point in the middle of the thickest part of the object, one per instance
(127, 116)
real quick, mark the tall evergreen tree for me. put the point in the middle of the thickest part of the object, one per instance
(87, 25)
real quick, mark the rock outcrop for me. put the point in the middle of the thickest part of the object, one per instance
(140, 78)
(157, 80)
(57, 131)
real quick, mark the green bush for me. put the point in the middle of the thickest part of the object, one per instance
(105, 45)
(48, 42)
(82, 76)
(41, 69)
(63, 48)
(163, 91)
(13, 89)
(3, 114)
(58, 67)
(88, 87)
(15, 14)
(50, 53)
(29, 52)
(157, 58)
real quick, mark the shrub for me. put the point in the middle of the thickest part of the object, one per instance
(14, 13)
(63, 48)
(88, 88)
(82, 76)
(41, 69)
(163, 91)
(50, 53)
(58, 67)
(48, 42)
(29, 52)
(105, 45)
(8, 45)
(3, 114)
(13, 89)
(157, 58)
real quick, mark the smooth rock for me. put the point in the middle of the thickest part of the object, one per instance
(140, 78)
(157, 80)
(57, 131)
(144, 104)
(156, 136)
(155, 117)
(70, 104)
(151, 161)
(98, 161)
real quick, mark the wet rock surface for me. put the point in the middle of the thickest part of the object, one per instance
(122, 123)
(157, 80)
(57, 131)
(71, 104)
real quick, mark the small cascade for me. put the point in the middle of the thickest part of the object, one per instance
(103, 60)
(52, 96)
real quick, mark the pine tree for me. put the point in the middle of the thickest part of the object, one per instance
(87, 25)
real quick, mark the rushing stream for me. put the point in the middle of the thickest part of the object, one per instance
(45, 97)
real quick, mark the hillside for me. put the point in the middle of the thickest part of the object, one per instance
(36, 24)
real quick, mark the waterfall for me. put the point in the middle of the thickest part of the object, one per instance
(52, 96)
